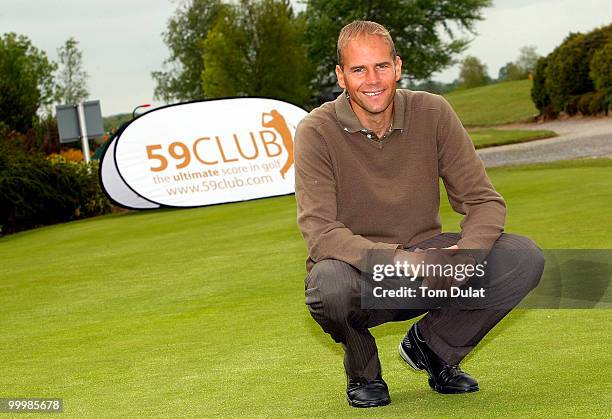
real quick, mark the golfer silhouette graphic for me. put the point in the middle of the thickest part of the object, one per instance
(275, 120)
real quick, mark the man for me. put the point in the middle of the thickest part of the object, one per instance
(367, 181)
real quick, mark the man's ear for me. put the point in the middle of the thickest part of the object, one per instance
(340, 76)
(398, 68)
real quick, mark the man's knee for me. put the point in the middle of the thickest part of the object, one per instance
(332, 290)
(523, 254)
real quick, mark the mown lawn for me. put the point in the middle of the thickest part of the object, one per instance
(496, 104)
(200, 312)
(489, 137)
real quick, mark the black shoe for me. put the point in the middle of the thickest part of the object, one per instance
(443, 378)
(363, 393)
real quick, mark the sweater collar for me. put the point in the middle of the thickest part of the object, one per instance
(349, 121)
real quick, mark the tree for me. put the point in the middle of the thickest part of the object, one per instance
(528, 59)
(26, 81)
(510, 72)
(71, 78)
(601, 67)
(539, 95)
(256, 48)
(473, 73)
(601, 73)
(566, 78)
(416, 27)
(567, 73)
(185, 35)
(522, 67)
(432, 86)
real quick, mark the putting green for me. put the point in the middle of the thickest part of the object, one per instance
(200, 312)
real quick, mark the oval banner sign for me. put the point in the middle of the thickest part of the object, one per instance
(208, 152)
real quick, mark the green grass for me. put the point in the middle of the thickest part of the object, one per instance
(200, 312)
(489, 137)
(495, 104)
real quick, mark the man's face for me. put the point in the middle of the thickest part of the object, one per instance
(369, 74)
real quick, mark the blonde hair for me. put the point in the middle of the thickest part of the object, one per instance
(360, 28)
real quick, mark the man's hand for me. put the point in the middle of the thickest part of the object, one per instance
(435, 265)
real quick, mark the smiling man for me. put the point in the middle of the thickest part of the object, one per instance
(367, 169)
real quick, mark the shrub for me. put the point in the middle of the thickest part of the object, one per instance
(539, 95)
(601, 73)
(37, 191)
(601, 67)
(591, 103)
(597, 103)
(70, 154)
(584, 103)
(566, 72)
(572, 106)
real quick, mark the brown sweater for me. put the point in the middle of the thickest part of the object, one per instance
(356, 193)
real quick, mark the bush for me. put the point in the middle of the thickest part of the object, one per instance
(567, 73)
(601, 73)
(591, 103)
(572, 106)
(598, 103)
(601, 67)
(539, 95)
(70, 154)
(37, 191)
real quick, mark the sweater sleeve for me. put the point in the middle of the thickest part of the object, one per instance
(315, 192)
(468, 187)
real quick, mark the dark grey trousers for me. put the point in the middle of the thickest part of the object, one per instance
(333, 297)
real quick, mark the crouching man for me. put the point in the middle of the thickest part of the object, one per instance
(367, 169)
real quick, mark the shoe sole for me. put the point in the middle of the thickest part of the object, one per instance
(434, 387)
(407, 358)
(369, 404)
(451, 390)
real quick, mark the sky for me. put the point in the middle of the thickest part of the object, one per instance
(122, 41)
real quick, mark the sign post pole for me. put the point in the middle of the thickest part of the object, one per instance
(83, 126)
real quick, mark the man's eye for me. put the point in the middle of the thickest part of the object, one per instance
(358, 70)
(383, 66)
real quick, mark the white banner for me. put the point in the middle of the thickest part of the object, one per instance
(204, 153)
(115, 187)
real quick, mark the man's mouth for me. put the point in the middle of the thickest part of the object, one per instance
(376, 93)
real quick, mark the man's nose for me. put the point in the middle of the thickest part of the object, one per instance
(372, 77)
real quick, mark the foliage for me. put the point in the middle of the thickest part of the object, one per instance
(567, 73)
(71, 78)
(528, 59)
(428, 36)
(113, 122)
(511, 72)
(591, 103)
(601, 67)
(187, 29)
(426, 33)
(525, 64)
(26, 82)
(539, 94)
(42, 137)
(256, 49)
(69, 154)
(433, 86)
(601, 73)
(576, 67)
(473, 73)
(38, 191)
